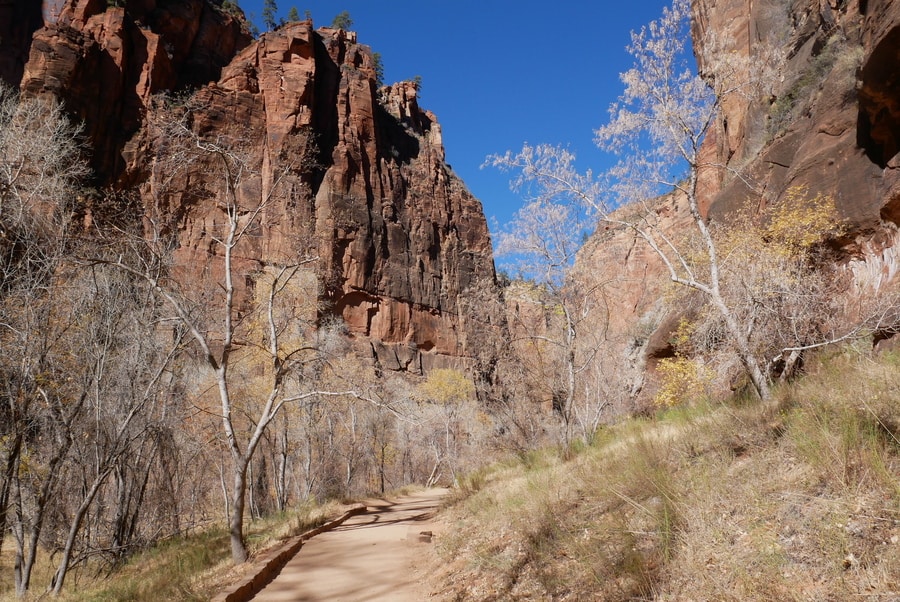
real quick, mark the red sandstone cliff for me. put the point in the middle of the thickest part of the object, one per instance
(106, 62)
(399, 237)
(832, 125)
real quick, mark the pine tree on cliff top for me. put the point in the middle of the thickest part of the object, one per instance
(270, 10)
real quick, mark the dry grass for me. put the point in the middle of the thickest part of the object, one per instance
(187, 568)
(795, 500)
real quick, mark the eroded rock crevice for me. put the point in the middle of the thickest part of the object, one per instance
(878, 129)
(19, 19)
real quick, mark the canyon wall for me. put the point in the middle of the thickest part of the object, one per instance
(352, 172)
(19, 19)
(831, 124)
(106, 62)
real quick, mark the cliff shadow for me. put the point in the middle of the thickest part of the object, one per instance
(19, 19)
(325, 113)
(396, 138)
(878, 127)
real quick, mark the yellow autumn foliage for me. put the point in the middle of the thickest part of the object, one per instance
(681, 379)
(798, 223)
(445, 386)
(682, 335)
(785, 232)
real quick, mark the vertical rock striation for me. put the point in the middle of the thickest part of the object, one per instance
(106, 62)
(358, 172)
(399, 236)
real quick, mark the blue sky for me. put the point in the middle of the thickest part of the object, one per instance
(499, 73)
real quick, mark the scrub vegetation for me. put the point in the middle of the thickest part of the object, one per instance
(794, 498)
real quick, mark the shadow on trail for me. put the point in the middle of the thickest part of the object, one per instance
(389, 513)
(357, 562)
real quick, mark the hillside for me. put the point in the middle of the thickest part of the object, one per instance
(796, 500)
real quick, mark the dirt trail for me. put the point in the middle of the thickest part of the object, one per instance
(380, 555)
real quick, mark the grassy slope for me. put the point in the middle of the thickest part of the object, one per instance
(795, 500)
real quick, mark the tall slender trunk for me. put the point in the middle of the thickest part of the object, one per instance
(381, 468)
(745, 353)
(225, 495)
(26, 553)
(251, 493)
(123, 502)
(308, 467)
(59, 578)
(570, 390)
(236, 524)
(739, 334)
(129, 502)
(12, 468)
(281, 477)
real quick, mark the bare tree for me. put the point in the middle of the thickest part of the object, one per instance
(82, 362)
(763, 293)
(41, 173)
(267, 324)
(126, 379)
(541, 244)
(101, 405)
(658, 127)
(449, 415)
(218, 354)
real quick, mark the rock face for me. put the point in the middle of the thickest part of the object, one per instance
(350, 172)
(831, 125)
(399, 236)
(106, 62)
(636, 321)
(833, 122)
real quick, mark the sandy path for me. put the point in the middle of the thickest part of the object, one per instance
(379, 555)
